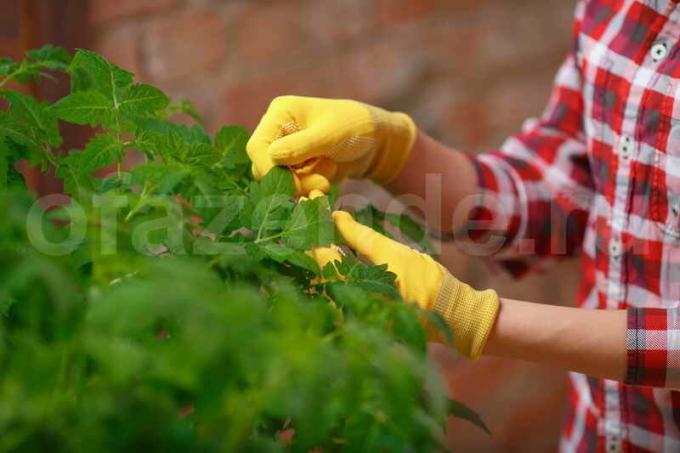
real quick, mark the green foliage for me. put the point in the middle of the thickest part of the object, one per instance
(173, 306)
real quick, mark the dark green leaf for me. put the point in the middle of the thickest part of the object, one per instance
(271, 198)
(188, 108)
(161, 178)
(415, 232)
(460, 410)
(34, 114)
(310, 225)
(83, 107)
(282, 254)
(140, 99)
(375, 278)
(50, 57)
(91, 72)
(100, 152)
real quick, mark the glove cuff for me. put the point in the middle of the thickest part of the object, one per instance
(396, 133)
(469, 313)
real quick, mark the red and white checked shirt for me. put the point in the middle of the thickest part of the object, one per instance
(599, 174)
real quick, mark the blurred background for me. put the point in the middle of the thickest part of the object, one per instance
(468, 71)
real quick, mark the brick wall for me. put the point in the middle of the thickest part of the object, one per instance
(468, 71)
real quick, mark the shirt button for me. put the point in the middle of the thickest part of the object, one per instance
(675, 209)
(615, 248)
(658, 52)
(626, 147)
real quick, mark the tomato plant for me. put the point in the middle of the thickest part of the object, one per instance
(172, 306)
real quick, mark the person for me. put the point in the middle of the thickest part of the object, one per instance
(597, 174)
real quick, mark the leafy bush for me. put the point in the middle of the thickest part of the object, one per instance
(173, 306)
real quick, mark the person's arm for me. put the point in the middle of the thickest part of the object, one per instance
(575, 339)
(430, 158)
(590, 341)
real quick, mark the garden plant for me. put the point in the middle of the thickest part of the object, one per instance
(173, 305)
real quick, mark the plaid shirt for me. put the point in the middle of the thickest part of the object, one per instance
(599, 173)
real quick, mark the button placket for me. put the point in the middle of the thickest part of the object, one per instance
(615, 248)
(626, 147)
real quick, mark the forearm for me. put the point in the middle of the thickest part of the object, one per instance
(441, 176)
(589, 341)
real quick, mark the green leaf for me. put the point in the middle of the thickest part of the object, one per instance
(281, 254)
(91, 72)
(140, 99)
(76, 182)
(4, 165)
(375, 278)
(83, 107)
(163, 178)
(310, 225)
(271, 198)
(19, 133)
(189, 109)
(460, 410)
(412, 230)
(100, 152)
(50, 57)
(35, 114)
(230, 144)
(7, 66)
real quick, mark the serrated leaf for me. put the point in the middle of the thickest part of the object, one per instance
(189, 109)
(35, 114)
(50, 57)
(271, 198)
(408, 228)
(281, 254)
(9, 128)
(375, 278)
(162, 177)
(91, 72)
(406, 327)
(140, 99)
(412, 230)
(7, 66)
(310, 225)
(83, 107)
(4, 165)
(460, 410)
(76, 182)
(100, 152)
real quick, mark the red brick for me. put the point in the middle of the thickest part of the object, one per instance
(121, 46)
(399, 11)
(246, 100)
(282, 33)
(333, 23)
(187, 45)
(104, 11)
(378, 72)
(273, 32)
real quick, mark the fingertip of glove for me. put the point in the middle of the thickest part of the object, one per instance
(314, 182)
(341, 216)
(255, 171)
(315, 193)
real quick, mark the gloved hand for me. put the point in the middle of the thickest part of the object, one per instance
(469, 313)
(324, 140)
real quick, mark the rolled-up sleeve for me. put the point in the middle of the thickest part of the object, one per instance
(535, 191)
(653, 347)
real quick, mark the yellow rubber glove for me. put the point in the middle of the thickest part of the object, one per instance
(469, 313)
(324, 140)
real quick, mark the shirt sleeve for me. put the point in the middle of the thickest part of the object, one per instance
(536, 190)
(653, 357)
